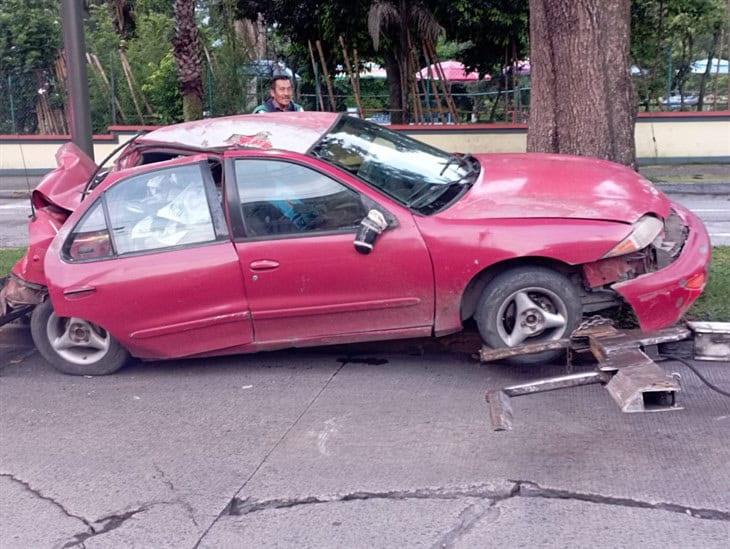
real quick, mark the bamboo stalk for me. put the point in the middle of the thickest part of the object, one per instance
(128, 78)
(436, 95)
(133, 82)
(356, 61)
(96, 64)
(60, 116)
(419, 81)
(326, 73)
(355, 91)
(316, 76)
(442, 79)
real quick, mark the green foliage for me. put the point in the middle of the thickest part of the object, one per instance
(667, 36)
(494, 31)
(162, 90)
(149, 52)
(714, 303)
(229, 88)
(150, 56)
(30, 38)
(8, 258)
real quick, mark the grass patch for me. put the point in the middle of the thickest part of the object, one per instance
(714, 304)
(8, 257)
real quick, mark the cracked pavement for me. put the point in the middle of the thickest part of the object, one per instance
(372, 446)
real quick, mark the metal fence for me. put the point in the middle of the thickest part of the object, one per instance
(35, 102)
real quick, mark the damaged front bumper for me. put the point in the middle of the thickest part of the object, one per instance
(659, 299)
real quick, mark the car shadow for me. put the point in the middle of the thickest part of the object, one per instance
(452, 352)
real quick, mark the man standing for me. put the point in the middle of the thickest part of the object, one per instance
(280, 100)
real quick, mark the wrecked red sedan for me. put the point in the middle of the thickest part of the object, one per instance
(261, 232)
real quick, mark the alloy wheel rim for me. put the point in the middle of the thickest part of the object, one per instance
(532, 315)
(76, 340)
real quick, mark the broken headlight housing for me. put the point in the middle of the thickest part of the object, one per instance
(644, 232)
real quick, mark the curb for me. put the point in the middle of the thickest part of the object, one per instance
(694, 188)
(14, 194)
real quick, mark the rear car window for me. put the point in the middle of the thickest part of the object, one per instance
(160, 209)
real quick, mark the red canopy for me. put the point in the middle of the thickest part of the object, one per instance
(453, 71)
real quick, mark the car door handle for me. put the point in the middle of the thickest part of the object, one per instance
(79, 291)
(264, 265)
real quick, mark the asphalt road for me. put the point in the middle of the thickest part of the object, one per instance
(373, 446)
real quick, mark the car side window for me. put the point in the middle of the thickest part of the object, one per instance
(160, 209)
(282, 198)
(90, 238)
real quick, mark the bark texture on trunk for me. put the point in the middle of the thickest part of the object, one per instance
(395, 89)
(188, 51)
(582, 96)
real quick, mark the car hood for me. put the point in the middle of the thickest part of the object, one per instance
(536, 185)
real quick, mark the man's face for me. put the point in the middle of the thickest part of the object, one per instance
(282, 92)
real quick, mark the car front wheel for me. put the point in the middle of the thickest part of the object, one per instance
(75, 346)
(528, 305)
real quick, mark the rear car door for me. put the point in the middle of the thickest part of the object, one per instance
(294, 222)
(151, 261)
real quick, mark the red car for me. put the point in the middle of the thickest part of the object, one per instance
(260, 232)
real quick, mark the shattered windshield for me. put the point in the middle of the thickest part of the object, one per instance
(411, 172)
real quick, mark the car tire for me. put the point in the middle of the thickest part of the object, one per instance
(528, 305)
(74, 346)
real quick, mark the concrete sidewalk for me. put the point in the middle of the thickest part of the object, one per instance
(690, 178)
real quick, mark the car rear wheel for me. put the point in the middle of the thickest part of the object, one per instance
(75, 346)
(528, 305)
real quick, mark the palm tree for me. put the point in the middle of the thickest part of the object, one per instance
(187, 50)
(404, 25)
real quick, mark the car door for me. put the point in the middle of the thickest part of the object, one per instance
(294, 221)
(151, 261)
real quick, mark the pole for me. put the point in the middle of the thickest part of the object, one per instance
(12, 106)
(78, 84)
(112, 90)
(670, 75)
(210, 90)
(316, 77)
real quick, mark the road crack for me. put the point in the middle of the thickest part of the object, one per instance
(104, 525)
(466, 521)
(239, 507)
(37, 493)
(272, 450)
(529, 489)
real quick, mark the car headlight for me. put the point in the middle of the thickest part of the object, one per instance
(644, 232)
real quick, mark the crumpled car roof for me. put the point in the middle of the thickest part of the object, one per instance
(290, 131)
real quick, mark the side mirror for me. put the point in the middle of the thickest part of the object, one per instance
(370, 228)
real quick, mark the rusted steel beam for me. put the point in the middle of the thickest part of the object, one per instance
(640, 385)
(632, 378)
(487, 354)
(500, 408)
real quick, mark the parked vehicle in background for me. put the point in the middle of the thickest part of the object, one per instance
(252, 233)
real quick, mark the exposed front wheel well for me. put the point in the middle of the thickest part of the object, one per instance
(476, 286)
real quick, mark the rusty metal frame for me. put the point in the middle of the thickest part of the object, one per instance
(634, 381)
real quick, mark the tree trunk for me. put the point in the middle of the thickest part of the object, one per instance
(187, 50)
(708, 68)
(582, 95)
(395, 95)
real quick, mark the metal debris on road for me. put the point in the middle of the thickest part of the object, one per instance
(632, 378)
